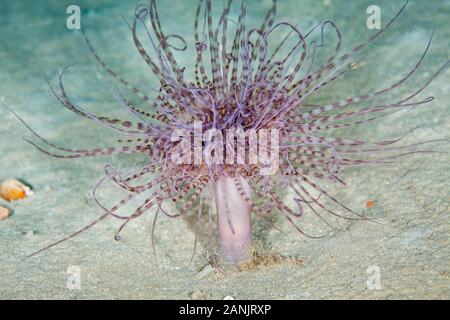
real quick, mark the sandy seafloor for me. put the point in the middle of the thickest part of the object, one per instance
(412, 199)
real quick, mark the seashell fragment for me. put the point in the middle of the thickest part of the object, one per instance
(4, 213)
(12, 189)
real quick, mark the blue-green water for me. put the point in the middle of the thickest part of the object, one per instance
(412, 199)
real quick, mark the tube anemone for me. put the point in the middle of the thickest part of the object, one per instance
(248, 80)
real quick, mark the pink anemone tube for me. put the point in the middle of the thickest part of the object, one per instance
(225, 140)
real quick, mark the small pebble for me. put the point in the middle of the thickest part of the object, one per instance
(4, 213)
(357, 65)
(206, 270)
(370, 204)
(13, 189)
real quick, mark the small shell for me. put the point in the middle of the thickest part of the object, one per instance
(4, 213)
(12, 189)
